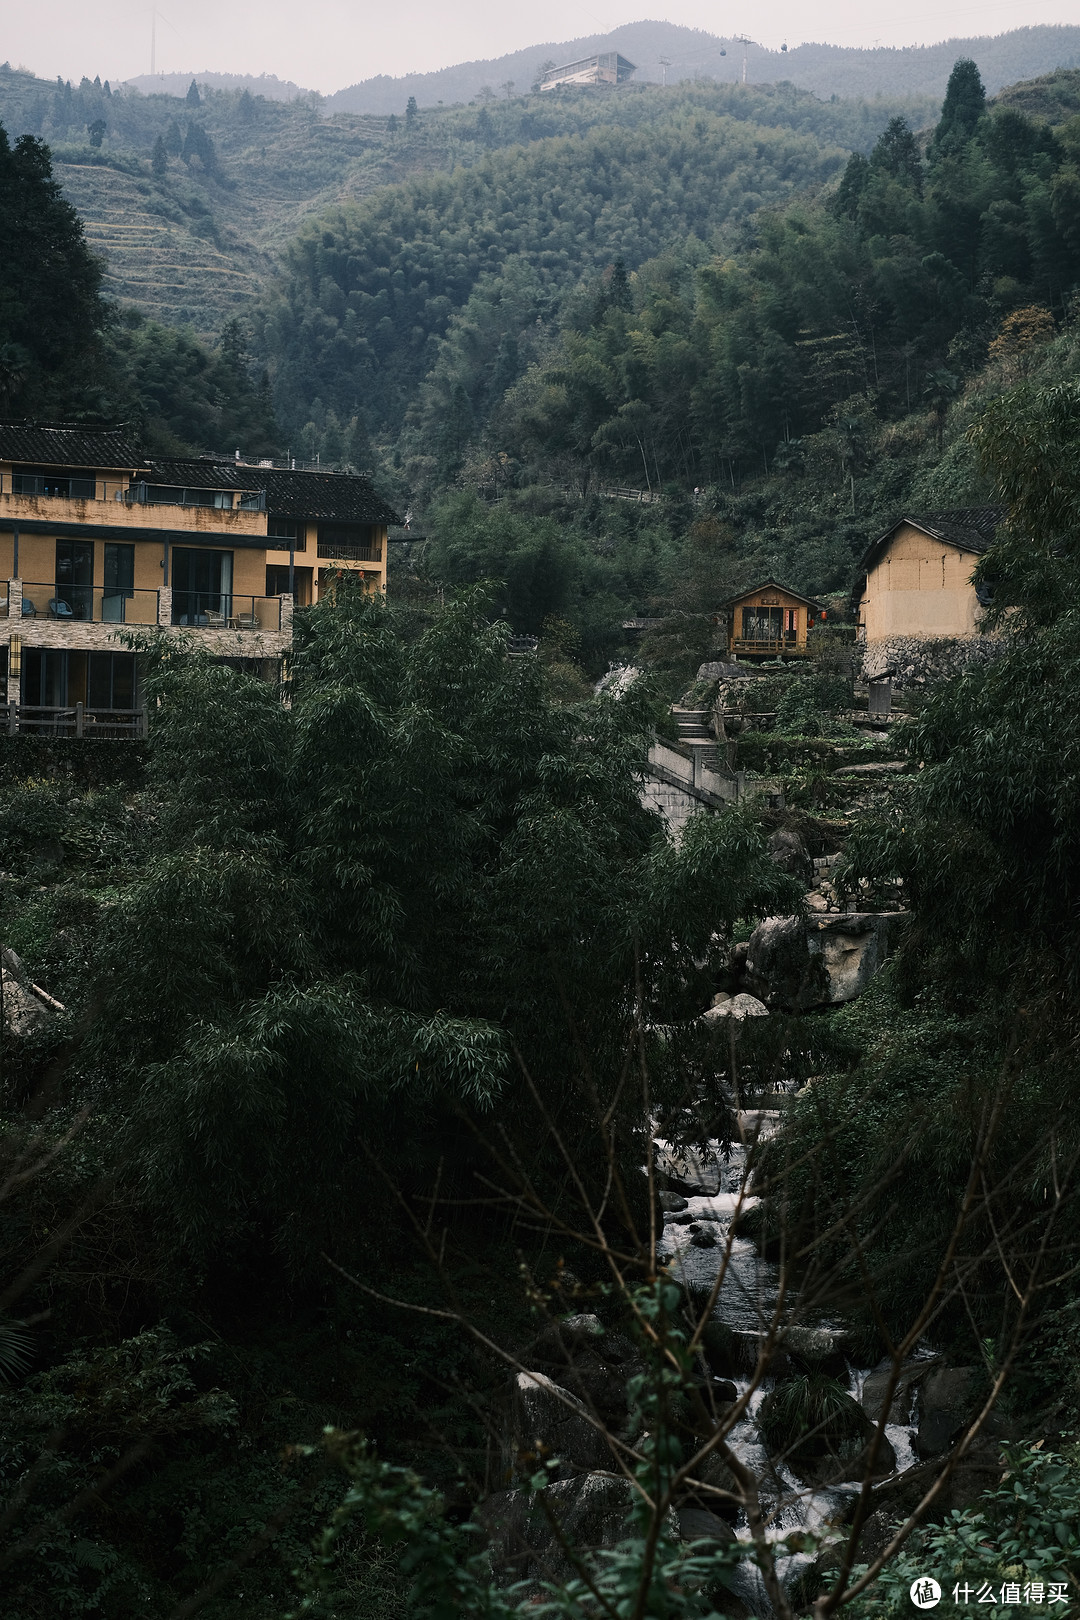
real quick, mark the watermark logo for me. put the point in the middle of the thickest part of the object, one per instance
(925, 1592)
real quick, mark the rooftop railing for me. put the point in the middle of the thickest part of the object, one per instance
(43, 486)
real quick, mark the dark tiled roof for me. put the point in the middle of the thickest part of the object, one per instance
(340, 497)
(772, 584)
(69, 446)
(330, 497)
(203, 475)
(971, 528)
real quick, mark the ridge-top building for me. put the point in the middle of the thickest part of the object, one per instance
(98, 539)
(608, 67)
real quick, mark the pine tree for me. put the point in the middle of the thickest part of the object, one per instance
(852, 186)
(159, 161)
(51, 308)
(964, 105)
(897, 154)
(193, 97)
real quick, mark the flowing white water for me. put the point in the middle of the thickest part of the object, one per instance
(746, 1304)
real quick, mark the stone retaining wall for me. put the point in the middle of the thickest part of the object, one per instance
(923, 661)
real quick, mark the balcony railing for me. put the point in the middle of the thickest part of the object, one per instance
(778, 647)
(224, 500)
(351, 550)
(217, 610)
(43, 486)
(72, 489)
(88, 604)
(139, 493)
(74, 720)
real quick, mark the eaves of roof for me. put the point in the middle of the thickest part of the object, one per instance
(777, 585)
(968, 528)
(312, 496)
(69, 445)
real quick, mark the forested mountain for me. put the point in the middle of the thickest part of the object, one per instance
(190, 199)
(692, 53)
(681, 302)
(371, 288)
(853, 303)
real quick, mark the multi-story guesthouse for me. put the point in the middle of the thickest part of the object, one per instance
(98, 540)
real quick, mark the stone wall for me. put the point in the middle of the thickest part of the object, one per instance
(675, 804)
(924, 660)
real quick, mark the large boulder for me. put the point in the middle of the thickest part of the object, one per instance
(876, 1385)
(847, 948)
(546, 1421)
(594, 1364)
(779, 970)
(818, 1349)
(793, 964)
(698, 1524)
(736, 1007)
(822, 1433)
(948, 1399)
(693, 1171)
(790, 854)
(590, 1510)
(977, 1471)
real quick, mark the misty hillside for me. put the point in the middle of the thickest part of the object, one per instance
(176, 84)
(827, 70)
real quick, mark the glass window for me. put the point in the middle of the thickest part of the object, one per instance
(201, 586)
(111, 681)
(74, 598)
(119, 570)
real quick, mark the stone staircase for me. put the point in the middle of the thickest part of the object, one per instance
(693, 729)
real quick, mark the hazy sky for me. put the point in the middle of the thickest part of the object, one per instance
(325, 44)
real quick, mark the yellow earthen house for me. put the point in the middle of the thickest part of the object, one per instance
(915, 579)
(98, 540)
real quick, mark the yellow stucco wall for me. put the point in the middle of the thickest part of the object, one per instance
(920, 587)
(37, 551)
(118, 514)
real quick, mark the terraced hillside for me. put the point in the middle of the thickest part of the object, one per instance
(181, 270)
(190, 248)
(191, 241)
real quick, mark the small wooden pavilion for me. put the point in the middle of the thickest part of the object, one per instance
(770, 620)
